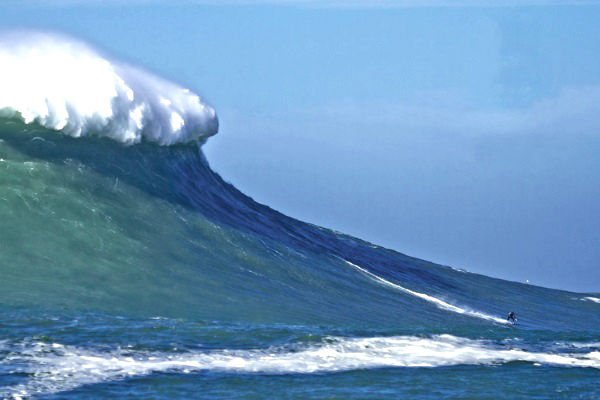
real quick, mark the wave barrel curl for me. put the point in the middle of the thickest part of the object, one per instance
(65, 85)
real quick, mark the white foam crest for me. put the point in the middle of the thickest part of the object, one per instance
(434, 300)
(57, 368)
(67, 86)
(594, 299)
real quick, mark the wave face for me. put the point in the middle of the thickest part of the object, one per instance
(154, 231)
(137, 271)
(64, 85)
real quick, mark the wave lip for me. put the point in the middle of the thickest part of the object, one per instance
(65, 85)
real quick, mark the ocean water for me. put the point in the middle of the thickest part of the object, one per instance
(130, 269)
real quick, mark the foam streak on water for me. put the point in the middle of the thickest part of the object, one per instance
(57, 368)
(594, 299)
(434, 300)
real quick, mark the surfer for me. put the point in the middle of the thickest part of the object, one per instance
(512, 318)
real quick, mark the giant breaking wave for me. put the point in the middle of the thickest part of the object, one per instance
(65, 85)
(122, 262)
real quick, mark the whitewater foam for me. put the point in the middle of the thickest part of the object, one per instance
(55, 368)
(434, 300)
(65, 85)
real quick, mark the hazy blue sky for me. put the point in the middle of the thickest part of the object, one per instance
(466, 135)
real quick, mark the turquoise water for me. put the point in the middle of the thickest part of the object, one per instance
(138, 272)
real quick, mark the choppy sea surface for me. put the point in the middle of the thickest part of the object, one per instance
(130, 269)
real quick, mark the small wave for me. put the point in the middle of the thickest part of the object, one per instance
(55, 368)
(65, 85)
(578, 345)
(594, 299)
(434, 300)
